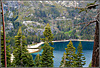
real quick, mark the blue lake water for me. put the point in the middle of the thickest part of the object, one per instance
(59, 49)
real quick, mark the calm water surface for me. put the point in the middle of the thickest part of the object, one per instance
(59, 49)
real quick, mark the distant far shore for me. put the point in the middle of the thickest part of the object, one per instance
(32, 50)
(40, 43)
(72, 40)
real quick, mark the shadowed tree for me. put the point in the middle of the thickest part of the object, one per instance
(37, 61)
(47, 56)
(70, 59)
(8, 54)
(80, 58)
(63, 61)
(21, 56)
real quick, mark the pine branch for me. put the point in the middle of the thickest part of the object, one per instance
(90, 6)
(81, 23)
(79, 8)
(89, 24)
(90, 21)
(87, 8)
(97, 15)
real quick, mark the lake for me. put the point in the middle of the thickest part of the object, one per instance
(59, 49)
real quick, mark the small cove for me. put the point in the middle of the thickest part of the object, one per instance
(59, 49)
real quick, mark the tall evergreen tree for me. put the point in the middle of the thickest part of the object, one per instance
(47, 54)
(80, 58)
(37, 61)
(70, 56)
(21, 56)
(47, 34)
(8, 54)
(63, 61)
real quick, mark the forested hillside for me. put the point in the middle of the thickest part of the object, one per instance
(33, 16)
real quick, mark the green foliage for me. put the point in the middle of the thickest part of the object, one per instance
(8, 54)
(16, 24)
(45, 20)
(37, 61)
(47, 56)
(86, 33)
(62, 63)
(44, 14)
(47, 34)
(70, 55)
(40, 13)
(91, 4)
(72, 59)
(21, 56)
(32, 38)
(87, 7)
(54, 12)
(82, 9)
(90, 65)
(80, 58)
(12, 41)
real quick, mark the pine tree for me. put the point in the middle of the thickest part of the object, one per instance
(63, 61)
(8, 54)
(80, 58)
(37, 61)
(70, 56)
(21, 56)
(47, 56)
(47, 34)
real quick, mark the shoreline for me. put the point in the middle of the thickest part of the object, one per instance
(40, 43)
(73, 40)
(32, 50)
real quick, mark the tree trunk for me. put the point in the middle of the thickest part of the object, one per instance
(95, 55)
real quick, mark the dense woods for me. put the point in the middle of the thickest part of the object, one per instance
(21, 56)
(62, 19)
(8, 51)
(71, 59)
(30, 23)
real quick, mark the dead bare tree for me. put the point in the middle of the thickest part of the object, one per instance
(95, 55)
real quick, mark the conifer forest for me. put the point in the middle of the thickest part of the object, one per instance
(49, 33)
